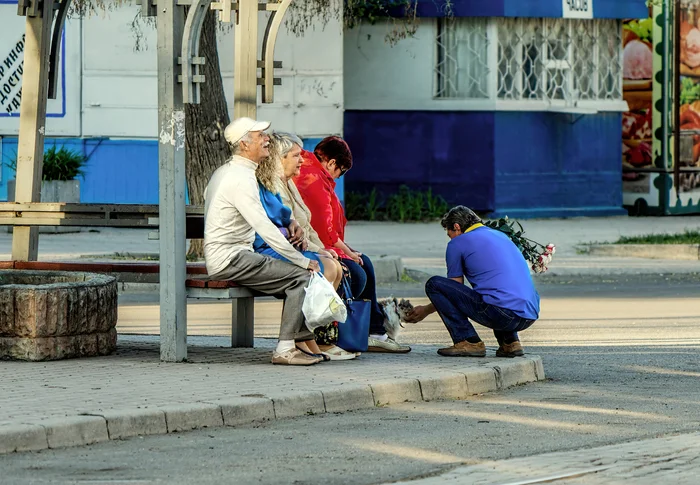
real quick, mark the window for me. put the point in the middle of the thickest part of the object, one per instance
(531, 62)
(462, 65)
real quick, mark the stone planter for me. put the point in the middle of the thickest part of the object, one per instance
(48, 315)
(52, 191)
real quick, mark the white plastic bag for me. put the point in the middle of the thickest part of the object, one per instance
(322, 305)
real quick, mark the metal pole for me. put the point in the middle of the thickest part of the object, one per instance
(677, 99)
(245, 78)
(32, 126)
(171, 177)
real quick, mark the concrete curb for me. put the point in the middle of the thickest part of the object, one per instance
(94, 427)
(685, 252)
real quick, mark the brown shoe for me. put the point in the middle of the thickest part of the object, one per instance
(294, 357)
(464, 349)
(510, 350)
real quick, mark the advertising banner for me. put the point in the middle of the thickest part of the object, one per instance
(689, 102)
(637, 91)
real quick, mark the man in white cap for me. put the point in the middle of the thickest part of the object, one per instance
(233, 214)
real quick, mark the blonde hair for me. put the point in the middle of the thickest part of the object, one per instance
(269, 171)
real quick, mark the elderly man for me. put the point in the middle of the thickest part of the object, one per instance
(502, 296)
(233, 214)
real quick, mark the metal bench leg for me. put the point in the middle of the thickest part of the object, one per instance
(242, 316)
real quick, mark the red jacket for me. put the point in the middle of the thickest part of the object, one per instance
(317, 188)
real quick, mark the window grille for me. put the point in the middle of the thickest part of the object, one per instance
(462, 59)
(557, 61)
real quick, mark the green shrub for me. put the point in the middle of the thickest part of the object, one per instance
(59, 164)
(403, 206)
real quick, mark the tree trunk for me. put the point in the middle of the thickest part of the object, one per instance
(206, 146)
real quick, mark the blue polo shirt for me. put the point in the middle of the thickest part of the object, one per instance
(495, 268)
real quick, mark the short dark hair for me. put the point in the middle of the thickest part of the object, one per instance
(334, 148)
(461, 215)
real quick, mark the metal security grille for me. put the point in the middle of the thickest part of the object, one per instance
(462, 58)
(560, 61)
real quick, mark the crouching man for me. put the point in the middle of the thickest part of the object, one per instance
(502, 296)
(233, 214)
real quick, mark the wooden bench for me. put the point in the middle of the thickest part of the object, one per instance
(197, 284)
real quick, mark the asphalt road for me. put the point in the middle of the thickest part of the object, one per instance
(621, 355)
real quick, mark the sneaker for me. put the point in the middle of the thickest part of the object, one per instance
(389, 345)
(336, 353)
(294, 357)
(513, 349)
(464, 349)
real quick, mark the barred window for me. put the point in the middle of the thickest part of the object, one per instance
(462, 62)
(556, 61)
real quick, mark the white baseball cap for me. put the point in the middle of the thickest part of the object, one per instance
(240, 127)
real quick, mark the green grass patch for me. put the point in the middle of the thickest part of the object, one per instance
(688, 237)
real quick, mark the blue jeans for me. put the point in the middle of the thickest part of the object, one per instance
(364, 287)
(457, 303)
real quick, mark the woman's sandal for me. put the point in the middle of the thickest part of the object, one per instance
(323, 357)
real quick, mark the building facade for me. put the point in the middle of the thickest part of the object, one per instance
(508, 106)
(106, 106)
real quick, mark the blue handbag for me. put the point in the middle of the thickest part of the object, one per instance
(353, 334)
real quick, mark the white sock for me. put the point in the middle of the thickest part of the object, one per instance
(285, 345)
(381, 338)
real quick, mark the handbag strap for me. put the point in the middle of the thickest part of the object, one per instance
(345, 283)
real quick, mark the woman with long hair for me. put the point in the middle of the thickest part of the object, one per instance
(283, 203)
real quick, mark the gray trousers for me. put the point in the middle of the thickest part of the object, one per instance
(273, 277)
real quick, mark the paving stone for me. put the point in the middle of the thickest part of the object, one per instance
(124, 423)
(481, 380)
(75, 430)
(348, 398)
(539, 367)
(444, 387)
(22, 437)
(134, 378)
(187, 416)
(243, 410)
(512, 372)
(391, 392)
(295, 404)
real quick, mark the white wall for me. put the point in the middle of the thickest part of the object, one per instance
(120, 92)
(111, 90)
(379, 76)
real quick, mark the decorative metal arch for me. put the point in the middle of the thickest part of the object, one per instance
(190, 60)
(268, 49)
(56, 34)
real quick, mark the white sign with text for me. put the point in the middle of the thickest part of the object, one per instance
(577, 9)
(12, 36)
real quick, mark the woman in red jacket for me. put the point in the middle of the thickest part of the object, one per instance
(330, 160)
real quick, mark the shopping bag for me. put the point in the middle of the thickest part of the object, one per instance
(353, 334)
(322, 305)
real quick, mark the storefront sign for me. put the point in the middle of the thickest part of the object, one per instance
(577, 9)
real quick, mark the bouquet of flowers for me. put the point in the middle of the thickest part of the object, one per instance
(538, 255)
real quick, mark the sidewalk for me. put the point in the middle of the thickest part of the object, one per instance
(131, 393)
(75, 402)
(422, 246)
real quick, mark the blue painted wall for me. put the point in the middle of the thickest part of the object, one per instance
(618, 9)
(451, 152)
(118, 171)
(550, 164)
(525, 164)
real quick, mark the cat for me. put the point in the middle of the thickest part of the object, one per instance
(395, 312)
